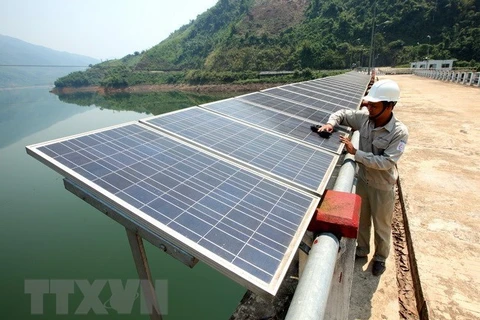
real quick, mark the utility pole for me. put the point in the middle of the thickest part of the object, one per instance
(428, 51)
(417, 49)
(428, 48)
(371, 39)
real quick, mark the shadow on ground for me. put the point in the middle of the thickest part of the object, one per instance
(363, 288)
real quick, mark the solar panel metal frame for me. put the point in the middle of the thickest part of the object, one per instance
(236, 273)
(322, 185)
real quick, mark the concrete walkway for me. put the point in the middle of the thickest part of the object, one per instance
(440, 179)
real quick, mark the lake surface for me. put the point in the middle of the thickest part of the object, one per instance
(49, 234)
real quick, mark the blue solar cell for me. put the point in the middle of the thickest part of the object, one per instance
(59, 148)
(73, 146)
(116, 180)
(105, 185)
(193, 223)
(236, 230)
(140, 194)
(221, 252)
(169, 209)
(185, 231)
(84, 173)
(209, 216)
(225, 241)
(250, 268)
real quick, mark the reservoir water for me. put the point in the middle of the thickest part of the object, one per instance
(48, 234)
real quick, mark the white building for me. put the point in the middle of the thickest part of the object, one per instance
(432, 64)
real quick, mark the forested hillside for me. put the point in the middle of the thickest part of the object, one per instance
(258, 35)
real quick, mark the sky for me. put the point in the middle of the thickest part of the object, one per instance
(101, 29)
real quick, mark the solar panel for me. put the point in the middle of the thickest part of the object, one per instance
(286, 159)
(341, 92)
(304, 99)
(330, 98)
(328, 91)
(344, 82)
(242, 223)
(277, 121)
(357, 87)
(299, 110)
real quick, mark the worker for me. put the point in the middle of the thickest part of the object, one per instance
(382, 143)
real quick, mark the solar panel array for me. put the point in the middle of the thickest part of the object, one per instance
(247, 219)
(234, 182)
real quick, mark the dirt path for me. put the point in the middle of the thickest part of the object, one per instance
(439, 175)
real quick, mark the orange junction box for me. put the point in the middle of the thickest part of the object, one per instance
(338, 213)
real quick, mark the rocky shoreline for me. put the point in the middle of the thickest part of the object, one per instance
(167, 87)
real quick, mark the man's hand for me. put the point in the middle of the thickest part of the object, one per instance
(348, 145)
(326, 127)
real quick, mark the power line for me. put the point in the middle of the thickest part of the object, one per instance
(41, 66)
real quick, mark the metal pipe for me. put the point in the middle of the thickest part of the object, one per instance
(345, 179)
(311, 295)
(310, 299)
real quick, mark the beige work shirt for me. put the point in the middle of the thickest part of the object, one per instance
(379, 148)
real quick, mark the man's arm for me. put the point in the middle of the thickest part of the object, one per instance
(388, 159)
(350, 118)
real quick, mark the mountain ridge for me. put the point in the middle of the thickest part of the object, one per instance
(17, 51)
(23, 63)
(240, 36)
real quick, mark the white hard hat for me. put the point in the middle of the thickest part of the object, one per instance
(383, 90)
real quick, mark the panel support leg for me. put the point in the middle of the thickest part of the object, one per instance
(143, 270)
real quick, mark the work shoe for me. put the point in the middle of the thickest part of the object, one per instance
(378, 268)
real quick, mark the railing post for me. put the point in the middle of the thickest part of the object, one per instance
(312, 293)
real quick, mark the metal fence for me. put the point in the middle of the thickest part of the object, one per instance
(468, 78)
